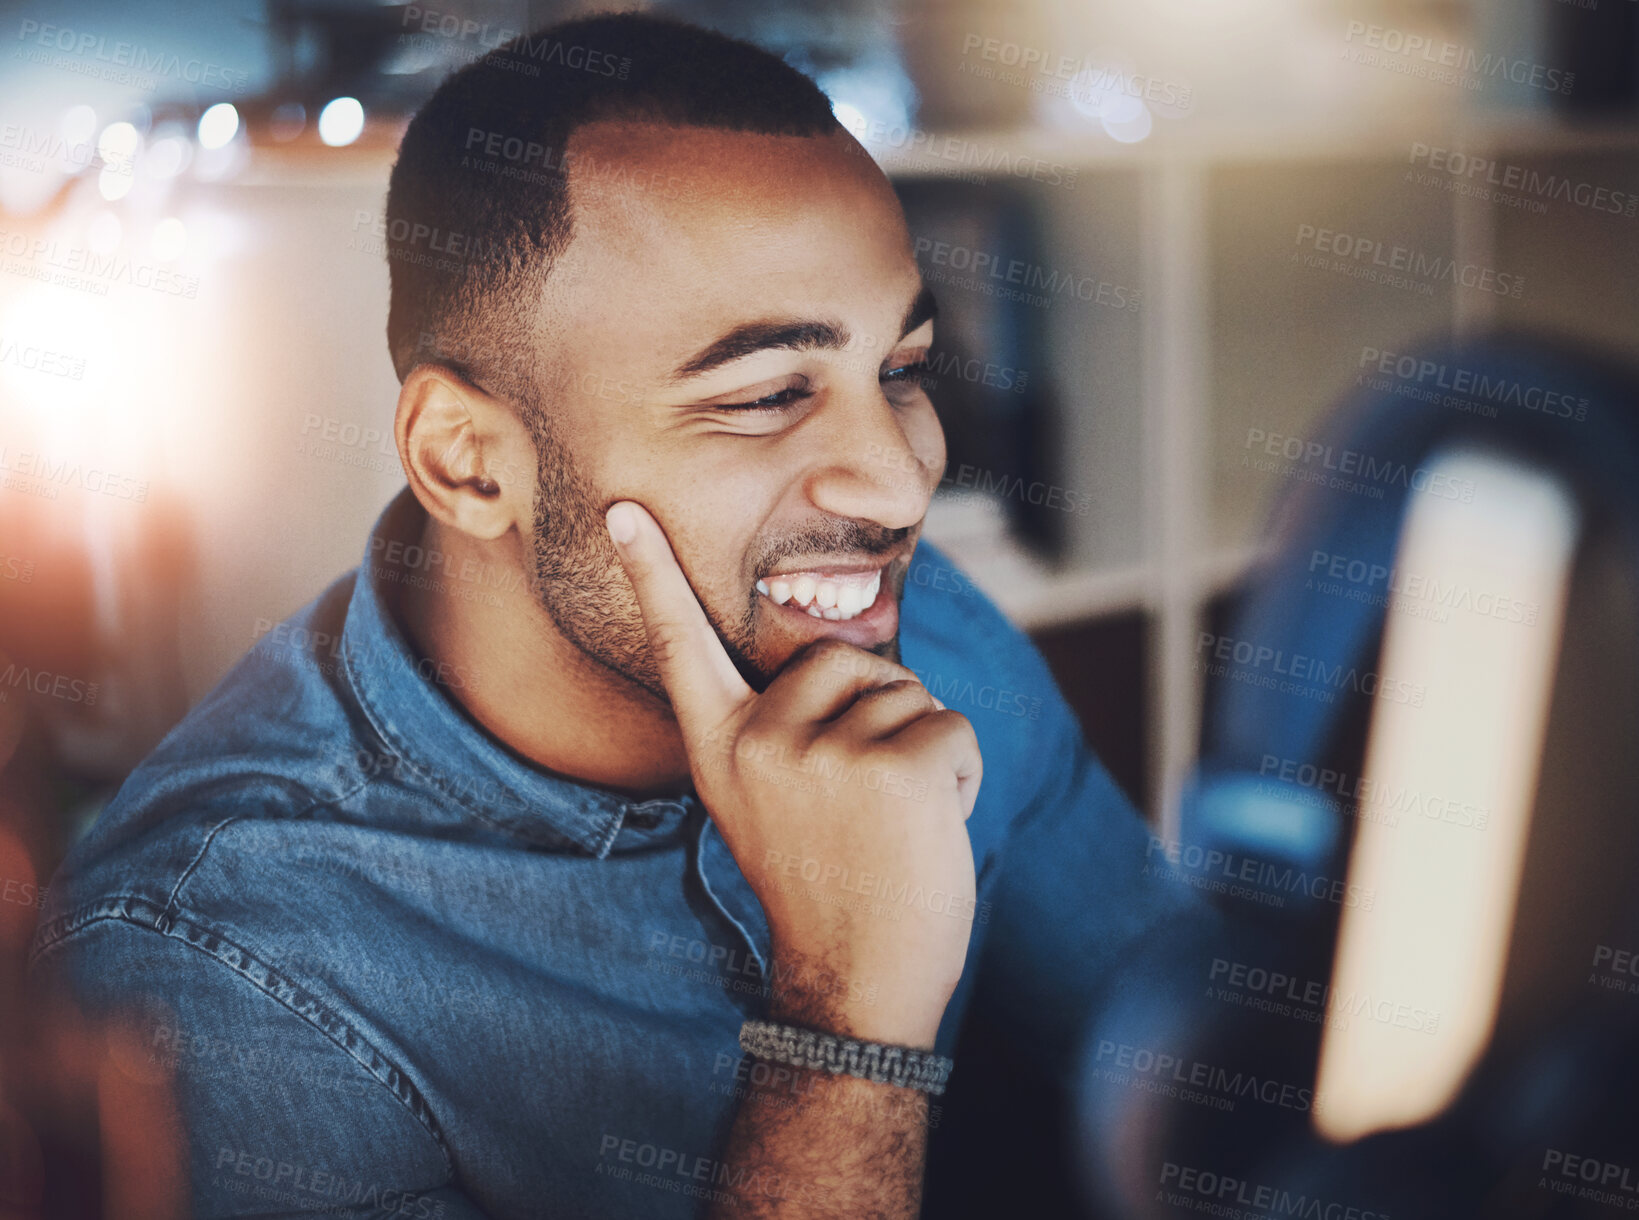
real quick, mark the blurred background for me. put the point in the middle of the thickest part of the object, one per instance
(195, 395)
(1161, 234)
(1118, 204)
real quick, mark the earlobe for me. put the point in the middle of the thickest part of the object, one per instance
(455, 443)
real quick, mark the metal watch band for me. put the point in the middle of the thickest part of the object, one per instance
(877, 1062)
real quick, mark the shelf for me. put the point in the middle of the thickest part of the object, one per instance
(1037, 596)
(1207, 142)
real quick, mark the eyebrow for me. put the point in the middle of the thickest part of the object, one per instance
(791, 335)
(923, 309)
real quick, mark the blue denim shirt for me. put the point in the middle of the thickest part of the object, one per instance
(395, 968)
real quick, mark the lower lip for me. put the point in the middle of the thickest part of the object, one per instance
(872, 626)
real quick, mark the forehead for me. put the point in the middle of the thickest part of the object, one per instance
(681, 233)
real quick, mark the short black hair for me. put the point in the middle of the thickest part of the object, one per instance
(477, 205)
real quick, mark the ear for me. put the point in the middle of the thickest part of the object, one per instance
(467, 455)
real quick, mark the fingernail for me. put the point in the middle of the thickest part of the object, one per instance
(622, 522)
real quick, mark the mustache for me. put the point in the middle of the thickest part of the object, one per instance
(838, 534)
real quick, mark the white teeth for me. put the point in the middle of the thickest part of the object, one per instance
(835, 599)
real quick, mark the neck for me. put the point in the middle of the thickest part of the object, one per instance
(534, 689)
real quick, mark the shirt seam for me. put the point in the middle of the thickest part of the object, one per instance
(389, 1075)
(173, 903)
(167, 914)
(597, 842)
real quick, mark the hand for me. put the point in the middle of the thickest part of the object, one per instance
(845, 768)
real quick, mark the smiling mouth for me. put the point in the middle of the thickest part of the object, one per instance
(837, 596)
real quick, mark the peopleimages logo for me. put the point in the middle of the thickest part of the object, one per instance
(1371, 259)
(1012, 486)
(1474, 385)
(1449, 62)
(45, 682)
(1192, 1080)
(1205, 1191)
(1603, 1181)
(1014, 278)
(1248, 654)
(1515, 185)
(701, 1177)
(14, 568)
(36, 146)
(44, 473)
(1369, 471)
(95, 49)
(1261, 989)
(35, 359)
(1243, 876)
(1070, 75)
(519, 44)
(81, 268)
(1417, 593)
(1365, 794)
(311, 1189)
(970, 160)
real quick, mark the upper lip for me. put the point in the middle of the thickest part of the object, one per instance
(841, 567)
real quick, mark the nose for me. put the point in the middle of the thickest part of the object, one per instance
(877, 464)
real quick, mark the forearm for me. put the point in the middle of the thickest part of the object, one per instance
(808, 1143)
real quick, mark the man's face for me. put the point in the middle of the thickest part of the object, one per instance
(731, 340)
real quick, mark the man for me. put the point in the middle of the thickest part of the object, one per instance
(454, 897)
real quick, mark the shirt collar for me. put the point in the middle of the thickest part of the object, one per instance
(457, 759)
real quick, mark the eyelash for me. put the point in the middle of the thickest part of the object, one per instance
(791, 396)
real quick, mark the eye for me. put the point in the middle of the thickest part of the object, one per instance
(783, 398)
(906, 380)
(908, 372)
(776, 401)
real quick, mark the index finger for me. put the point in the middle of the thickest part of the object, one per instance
(704, 686)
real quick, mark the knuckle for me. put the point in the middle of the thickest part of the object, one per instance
(899, 673)
(832, 740)
(910, 688)
(838, 656)
(955, 731)
(905, 694)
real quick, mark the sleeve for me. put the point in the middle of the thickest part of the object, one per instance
(276, 1117)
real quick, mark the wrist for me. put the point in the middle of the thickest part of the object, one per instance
(872, 1016)
(878, 1063)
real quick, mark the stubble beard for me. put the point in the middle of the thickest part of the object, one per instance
(577, 579)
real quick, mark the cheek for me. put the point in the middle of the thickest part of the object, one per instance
(926, 436)
(712, 535)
